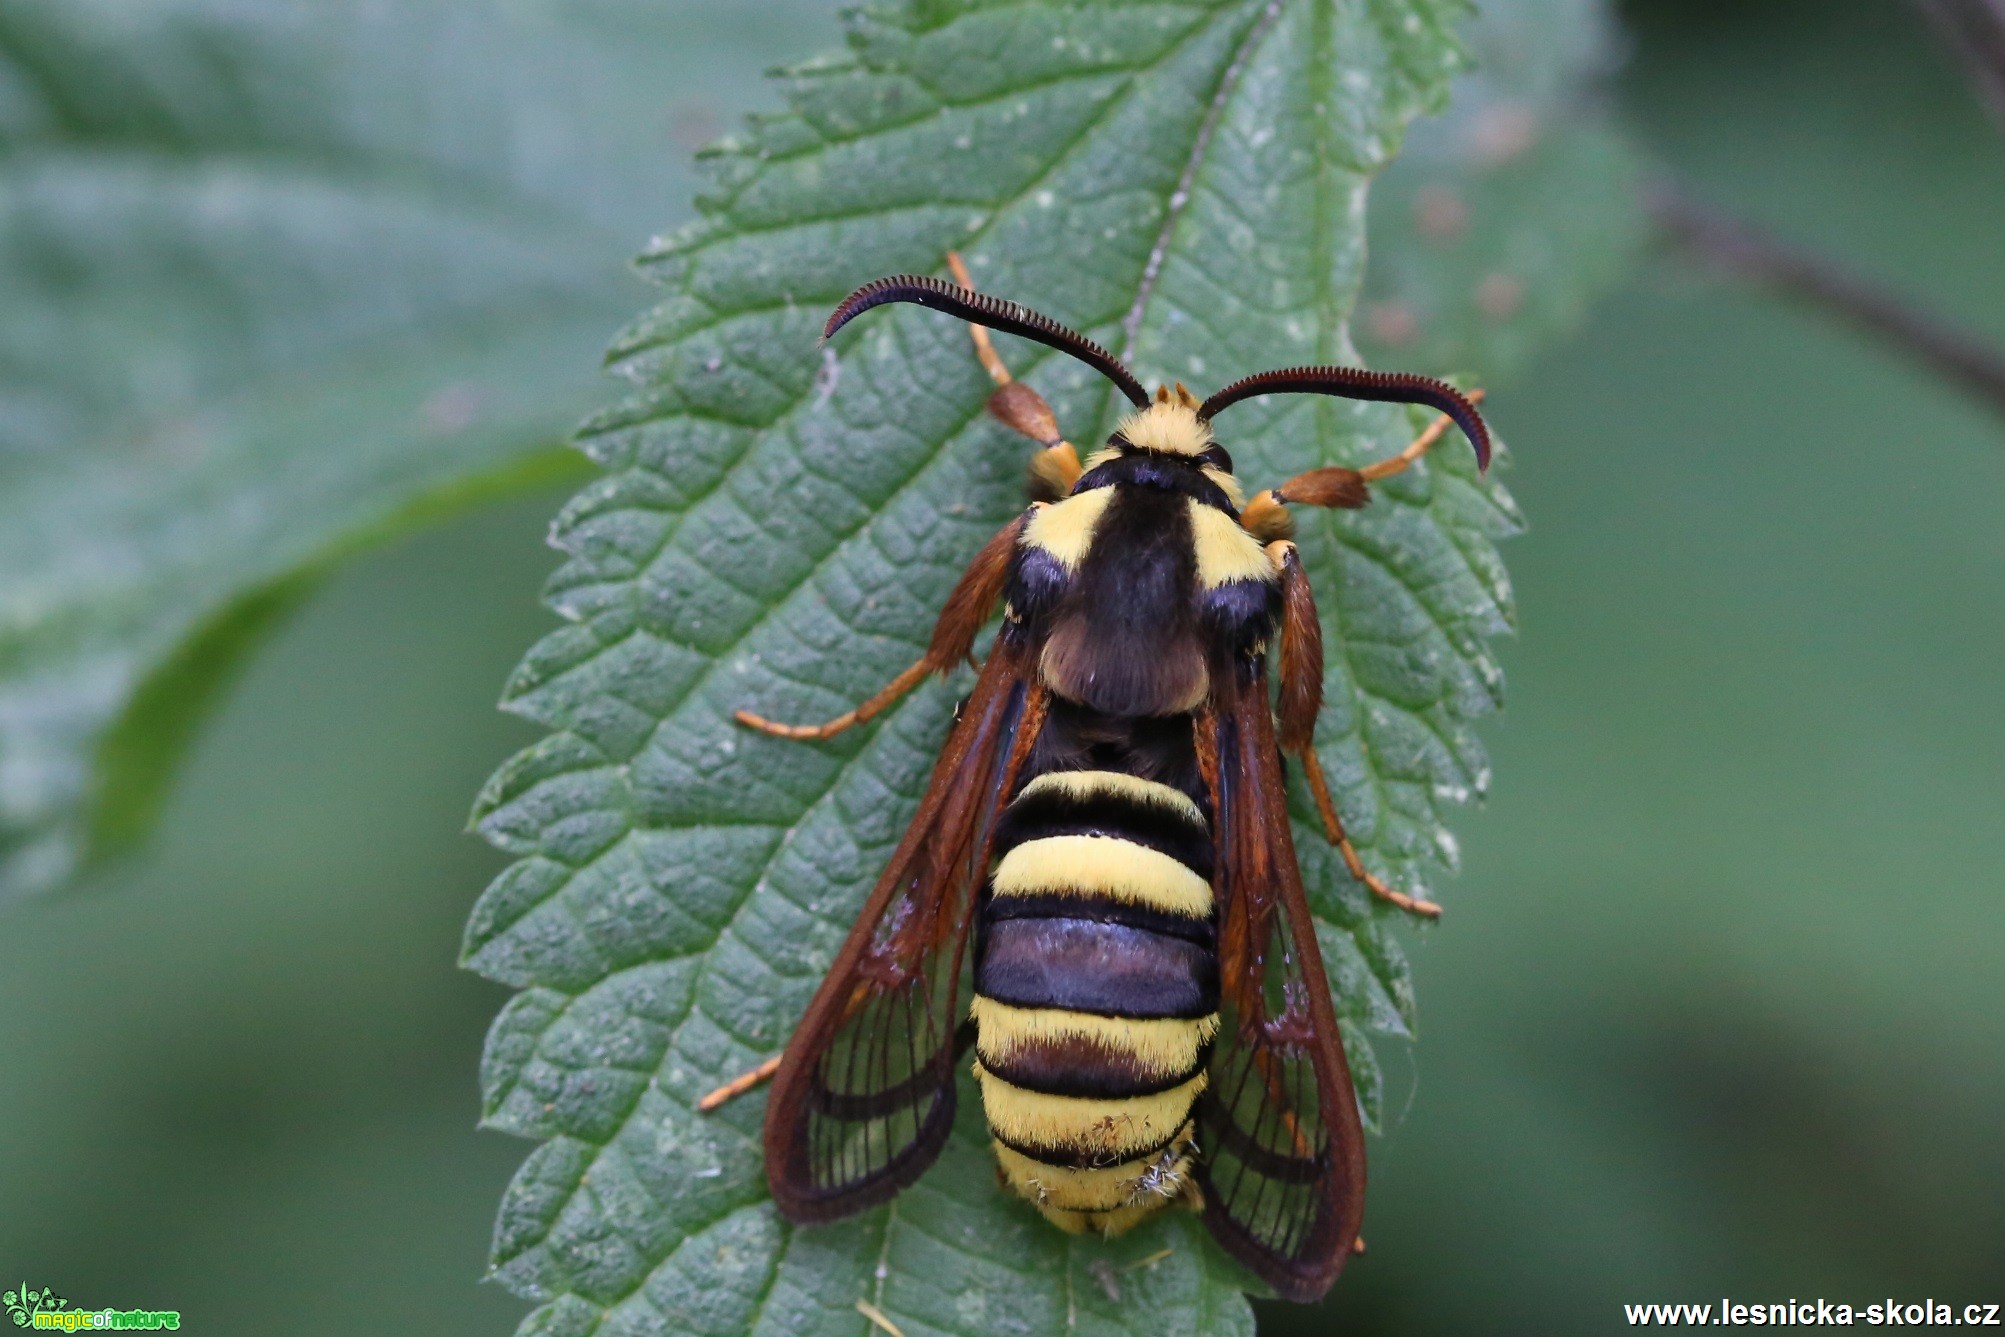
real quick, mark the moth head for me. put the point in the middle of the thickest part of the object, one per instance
(1170, 426)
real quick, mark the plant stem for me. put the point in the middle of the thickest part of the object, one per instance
(1974, 32)
(1753, 255)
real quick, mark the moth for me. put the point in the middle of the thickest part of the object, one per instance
(1099, 893)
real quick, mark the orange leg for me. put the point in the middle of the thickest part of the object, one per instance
(879, 1319)
(1017, 406)
(1266, 516)
(1333, 827)
(875, 706)
(1419, 446)
(991, 360)
(739, 1085)
(968, 607)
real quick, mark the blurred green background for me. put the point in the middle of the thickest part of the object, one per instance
(1719, 1005)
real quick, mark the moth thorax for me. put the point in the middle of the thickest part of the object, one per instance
(1170, 425)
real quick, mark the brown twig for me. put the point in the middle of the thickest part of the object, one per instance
(1974, 32)
(1750, 254)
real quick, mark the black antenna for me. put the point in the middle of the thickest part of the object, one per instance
(1357, 383)
(993, 312)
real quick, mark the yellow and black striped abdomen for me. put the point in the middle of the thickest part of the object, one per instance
(1096, 994)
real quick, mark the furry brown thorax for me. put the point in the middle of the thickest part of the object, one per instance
(1143, 573)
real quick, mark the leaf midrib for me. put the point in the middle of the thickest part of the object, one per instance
(1180, 193)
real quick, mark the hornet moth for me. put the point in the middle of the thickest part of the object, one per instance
(1105, 843)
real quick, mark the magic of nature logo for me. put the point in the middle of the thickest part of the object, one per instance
(45, 1310)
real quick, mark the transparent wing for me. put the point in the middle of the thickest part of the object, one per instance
(864, 1097)
(1283, 1151)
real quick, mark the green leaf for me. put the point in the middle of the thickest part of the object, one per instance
(1506, 216)
(280, 279)
(776, 528)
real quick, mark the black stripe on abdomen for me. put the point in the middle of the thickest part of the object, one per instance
(1082, 965)
(1076, 1066)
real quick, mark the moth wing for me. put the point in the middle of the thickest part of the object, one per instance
(1283, 1167)
(864, 1096)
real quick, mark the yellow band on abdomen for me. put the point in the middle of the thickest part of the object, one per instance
(1108, 1130)
(1102, 866)
(1084, 786)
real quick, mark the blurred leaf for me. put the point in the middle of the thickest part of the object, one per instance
(280, 279)
(1507, 215)
(1184, 181)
